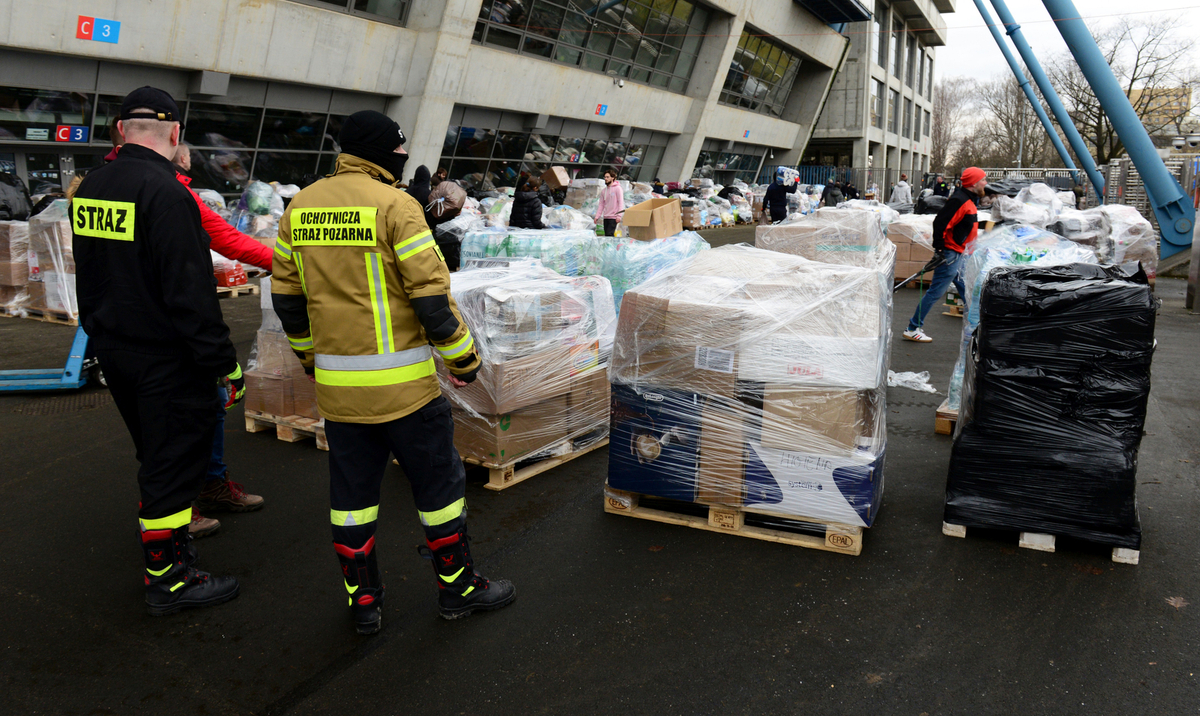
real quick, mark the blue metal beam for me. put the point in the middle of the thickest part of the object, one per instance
(1029, 93)
(1082, 153)
(1175, 213)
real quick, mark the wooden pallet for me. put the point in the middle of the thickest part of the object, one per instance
(835, 537)
(46, 316)
(290, 429)
(944, 419)
(250, 289)
(1045, 543)
(501, 477)
(954, 310)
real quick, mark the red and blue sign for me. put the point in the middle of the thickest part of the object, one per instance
(601, 109)
(70, 133)
(746, 135)
(98, 29)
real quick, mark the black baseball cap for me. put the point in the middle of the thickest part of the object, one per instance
(160, 104)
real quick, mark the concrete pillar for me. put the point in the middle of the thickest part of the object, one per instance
(859, 160)
(439, 63)
(704, 88)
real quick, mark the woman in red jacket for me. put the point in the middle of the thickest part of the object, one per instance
(226, 240)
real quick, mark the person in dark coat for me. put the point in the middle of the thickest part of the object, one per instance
(527, 207)
(419, 189)
(850, 191)
(776, 200)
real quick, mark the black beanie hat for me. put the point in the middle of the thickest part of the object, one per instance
(374, 136)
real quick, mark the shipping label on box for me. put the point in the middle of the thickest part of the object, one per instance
(843, 489)
(840, 362)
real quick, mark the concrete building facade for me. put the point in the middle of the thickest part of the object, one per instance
(488, 88)
(878, 115)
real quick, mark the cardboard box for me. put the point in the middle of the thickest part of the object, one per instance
(14, 240)
(815, 420)
(654, 219)
(304, 397)
(510, 385)
(832, 488)
(8, 294)
(654, 442)
(556, 177)
(690, 217)
(269, 393)
(589, 400)
(904, 269)
(902, 249)
(836, 236)
(14, 273)
(500, 439)
(719, 476)
(920, 253)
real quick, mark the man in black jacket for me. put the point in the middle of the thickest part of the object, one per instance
(775, 200)
(954, 228)
(941, 187)
(146, 300)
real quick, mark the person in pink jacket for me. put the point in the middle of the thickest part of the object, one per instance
(612, 204)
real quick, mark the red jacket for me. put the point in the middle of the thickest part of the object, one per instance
(226, 240)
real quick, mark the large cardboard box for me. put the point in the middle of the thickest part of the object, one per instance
(690, 217)
(514, 384)
(904, 269)
(304, 398)
(719, 476)
(816, 420)
(269, 393)
(14, 273)
(14, 240)
(920, 253)
(499, 439)
(590, 399)
(850, 237)
(556, 177)
(654, 219)
(654, 442)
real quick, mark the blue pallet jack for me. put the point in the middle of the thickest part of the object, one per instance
(75, 375)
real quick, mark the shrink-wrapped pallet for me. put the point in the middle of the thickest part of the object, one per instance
(275, 380)
(543, 341)
(1054, 403)
(755, 379)
(849, 237)
(50, 240)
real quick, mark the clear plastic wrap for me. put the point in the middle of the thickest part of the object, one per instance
(887, 215)
(258, 211)
(211, 199)
(227, 271)
(752, 378)
(52, 262)
(1008, 209)
(1005, 246)
(850, 237)
(913, 236)
(455, 230)
(275, 379)
(628, 262)
(544, 341)
(1089, 228)
(498, 211)
(1131, 236)
(584, 194)
(567, 217)
(1055, 404)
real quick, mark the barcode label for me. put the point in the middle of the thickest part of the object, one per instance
(714, 359)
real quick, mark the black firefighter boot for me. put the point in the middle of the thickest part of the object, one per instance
(171, 581)
(462, 590)
(361, 572)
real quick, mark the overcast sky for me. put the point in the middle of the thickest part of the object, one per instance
(970, 49)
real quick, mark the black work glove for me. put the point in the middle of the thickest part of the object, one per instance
(235, 384)
(467, 377)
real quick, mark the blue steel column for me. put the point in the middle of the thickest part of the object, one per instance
(1173, 208)
(1056, 106)
(1028, 90)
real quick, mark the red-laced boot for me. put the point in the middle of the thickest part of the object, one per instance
(462, 590)
(361, 573)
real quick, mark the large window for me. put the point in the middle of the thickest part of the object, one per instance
(394, 10)
(893, 111)
(487, 158)
(911, 68)
(741, 162)
(881, 34)
(897, 47)
(877, 104)
(655, 42)
(920, 69)
(35, 115)
(927, 122)
(908, 116)
(929, 79)
(760, 76)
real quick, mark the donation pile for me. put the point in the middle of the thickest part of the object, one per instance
(14, 265)
(1010, 245)
(913, 236)
(850, 237)
(544, 341)
(275, 379)
(1054, 403)
(755, 379)
(258, 211)
(51, 287)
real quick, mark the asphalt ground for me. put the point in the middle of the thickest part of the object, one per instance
(613, 614)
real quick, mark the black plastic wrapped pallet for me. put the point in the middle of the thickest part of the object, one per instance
(1054, 403)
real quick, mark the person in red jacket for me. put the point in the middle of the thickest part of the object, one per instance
(954, 228)
(220, 494)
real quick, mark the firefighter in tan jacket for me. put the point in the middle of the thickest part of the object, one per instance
(362, 292)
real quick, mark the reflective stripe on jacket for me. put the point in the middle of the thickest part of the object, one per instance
(359, 251)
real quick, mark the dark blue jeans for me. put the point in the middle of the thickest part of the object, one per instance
(943, 276)
(216, 464)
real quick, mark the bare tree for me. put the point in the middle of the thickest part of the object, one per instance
(1008, 131)
(951, 99)
(1150, 58)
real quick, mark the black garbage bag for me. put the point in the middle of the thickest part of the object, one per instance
(15, 204)
(1054, 403)
(1009, 186)
(902, 207)
(931, 204)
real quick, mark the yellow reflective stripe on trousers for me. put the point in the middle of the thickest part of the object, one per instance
(459, 349)
(343, 518)
(283, 249)
(375, 378)
(379, 303)
(301, 344)
(414, 245)
(170, 522)
(300, 272)
(444, 515)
